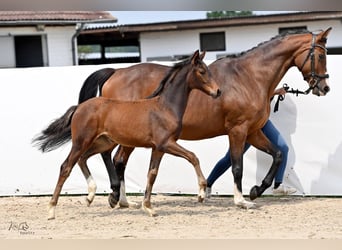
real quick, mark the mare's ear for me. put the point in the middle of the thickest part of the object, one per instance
(202, 55)
(324, 34)
(195, 58)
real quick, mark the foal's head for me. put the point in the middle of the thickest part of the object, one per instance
(312, 63)
(199, 76)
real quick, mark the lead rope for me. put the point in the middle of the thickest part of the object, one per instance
(288, 90)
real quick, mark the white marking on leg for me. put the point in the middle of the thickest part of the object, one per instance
(149, 210)
(123, 199)
(123, 202)
(201, 194)
(238, 198)
(51, 212)
(240, 201)
(91, 189)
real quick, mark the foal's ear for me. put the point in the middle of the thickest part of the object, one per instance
(195, 57)
(202, 55)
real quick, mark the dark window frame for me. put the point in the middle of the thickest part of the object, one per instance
(207, 38)
(294, 28)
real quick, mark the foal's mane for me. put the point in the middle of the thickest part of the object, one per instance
(169, 77)
(280, 36)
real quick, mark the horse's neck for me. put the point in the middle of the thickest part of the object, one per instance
(277, 60)
(176, 94)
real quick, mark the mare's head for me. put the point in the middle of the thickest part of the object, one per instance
(311, 61)
(199, 76)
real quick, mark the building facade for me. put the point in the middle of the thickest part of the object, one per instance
(175, 40)
(43, 38)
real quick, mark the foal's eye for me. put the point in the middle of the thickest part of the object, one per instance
(321, 57)
(202, 71)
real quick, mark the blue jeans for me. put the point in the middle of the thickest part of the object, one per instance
(274, 136)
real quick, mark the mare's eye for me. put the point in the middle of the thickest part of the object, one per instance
(321, 57)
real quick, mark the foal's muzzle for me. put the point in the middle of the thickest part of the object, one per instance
(217, 94)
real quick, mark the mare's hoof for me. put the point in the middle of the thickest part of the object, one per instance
(245, 204)
(128, 204)
(254, 193)
(112, 200)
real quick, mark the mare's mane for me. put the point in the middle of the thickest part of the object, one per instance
(169, 77)
(279, 36)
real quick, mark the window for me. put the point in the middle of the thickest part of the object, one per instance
(292, 29)
(30, 51)
(214, 41)
(335, 51)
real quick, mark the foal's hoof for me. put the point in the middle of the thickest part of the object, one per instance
(112, 200)
(200, 199)
(149, 210)
(254, 193)
(88, 202)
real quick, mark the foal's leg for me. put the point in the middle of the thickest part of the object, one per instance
(90, 181)
(260, 141)
(120, 161)
(237, 144)
(156, 157)
(64, 173)
(174, 148)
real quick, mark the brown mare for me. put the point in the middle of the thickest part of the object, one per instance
(247, 81)
(100, 124)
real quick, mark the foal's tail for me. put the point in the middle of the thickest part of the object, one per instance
(57, 133)
(94, 83)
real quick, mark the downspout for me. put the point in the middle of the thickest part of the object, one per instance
(73, 43)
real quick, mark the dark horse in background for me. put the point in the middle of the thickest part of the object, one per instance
(247, 81)
(100, 124)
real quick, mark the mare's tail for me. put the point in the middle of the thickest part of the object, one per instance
(56, 134)
(94, 83)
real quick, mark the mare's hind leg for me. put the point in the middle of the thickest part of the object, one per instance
(64, 173)
(113, 197)
(156, 157)
(173, 148)
(260, 141)
(120, 161)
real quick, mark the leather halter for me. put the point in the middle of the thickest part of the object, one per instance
(316, 78)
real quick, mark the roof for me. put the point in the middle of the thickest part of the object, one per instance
(220, 22)
(54, 17)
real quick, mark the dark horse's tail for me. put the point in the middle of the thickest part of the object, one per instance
(94, 83)
(57, 133)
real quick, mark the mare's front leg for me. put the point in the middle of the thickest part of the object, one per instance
(260, 141)
(120, 161)
(173, 148)
(156, 157)
(237, 141)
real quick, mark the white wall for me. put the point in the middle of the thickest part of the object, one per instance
(60, 45)
(33, 97)
(238, 39)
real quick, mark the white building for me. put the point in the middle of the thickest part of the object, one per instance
(175, 40)
(43, 38)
